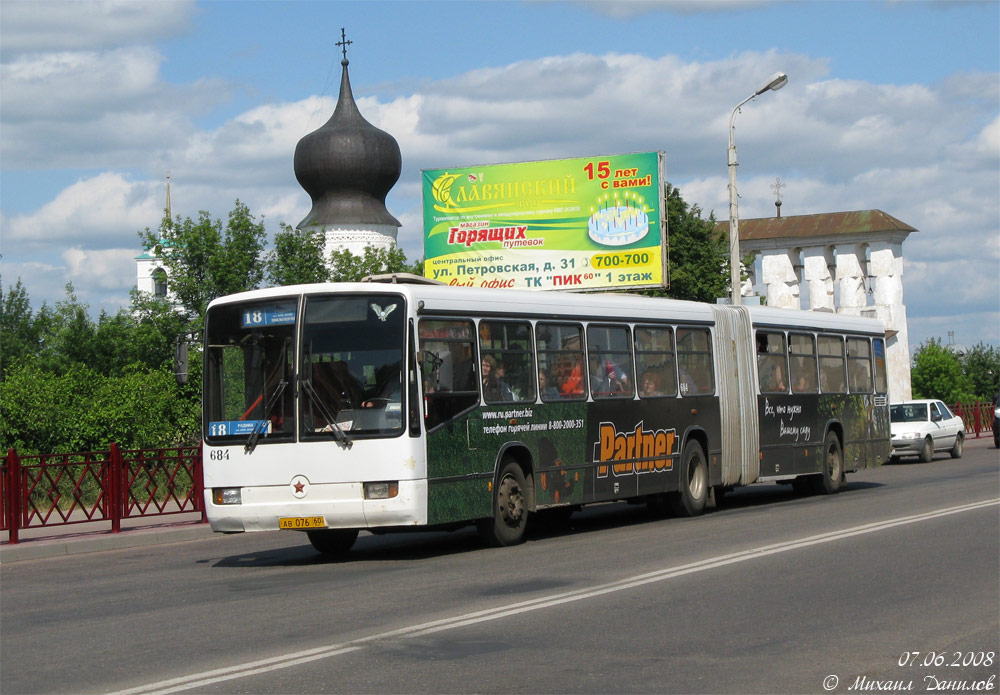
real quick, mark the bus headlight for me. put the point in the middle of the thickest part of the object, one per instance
(226, 495)
(381, 491)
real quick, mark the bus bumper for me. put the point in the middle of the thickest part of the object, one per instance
(342, 505)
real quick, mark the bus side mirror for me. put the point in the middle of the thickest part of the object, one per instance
(181, 361)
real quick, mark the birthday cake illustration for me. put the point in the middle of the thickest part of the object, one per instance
(618, 225)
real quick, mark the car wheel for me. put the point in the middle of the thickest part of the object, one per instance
(956, 451)
(927, 452)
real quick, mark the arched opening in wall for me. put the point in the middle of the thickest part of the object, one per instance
(756, 273)
(869, 279)
(159, 282)
(799, 267)
(832, 256)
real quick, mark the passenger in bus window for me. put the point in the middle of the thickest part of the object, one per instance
(548, 392)
(600, 384)
(491, 387)
(650, 384)
(506, 393)
(571, 385)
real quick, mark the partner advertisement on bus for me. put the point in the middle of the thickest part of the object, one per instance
(562, 224)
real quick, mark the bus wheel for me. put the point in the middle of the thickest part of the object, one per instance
(510, 516)
(333, 541)
(690, 498)
(956, 451)
(828, 481)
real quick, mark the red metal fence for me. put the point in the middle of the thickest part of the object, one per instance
(978, 416)
(47, 490)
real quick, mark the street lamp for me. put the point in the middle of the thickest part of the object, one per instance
(776, 82)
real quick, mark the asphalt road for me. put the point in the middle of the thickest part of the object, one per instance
(893, 584)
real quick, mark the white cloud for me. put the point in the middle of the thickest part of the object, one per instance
(102, 210)
(33, 25)
(111, 269)
(926, 154)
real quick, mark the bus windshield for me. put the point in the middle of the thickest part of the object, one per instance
(351, 370)
(349, 376)
(249, 377)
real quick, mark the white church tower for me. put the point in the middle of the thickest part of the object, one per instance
(348, 166)
(150, 270)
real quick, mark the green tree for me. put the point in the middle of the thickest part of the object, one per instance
(937, 373)
(143, 334)
(981, 366)
(206, 260)
(346, 267)
(699, 255)
(18, 328)
(65, 334)
(297, 257)
(42, 412)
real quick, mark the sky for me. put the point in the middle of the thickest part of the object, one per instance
(891, 105)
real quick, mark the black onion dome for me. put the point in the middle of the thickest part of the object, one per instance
(347, 166)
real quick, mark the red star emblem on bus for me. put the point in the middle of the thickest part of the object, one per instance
(299, 487)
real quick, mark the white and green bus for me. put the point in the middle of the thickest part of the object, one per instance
(335, 408)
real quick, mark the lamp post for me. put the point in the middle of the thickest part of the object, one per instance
(776, 82)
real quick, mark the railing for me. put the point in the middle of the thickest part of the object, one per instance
(46, 490)
(978, 416)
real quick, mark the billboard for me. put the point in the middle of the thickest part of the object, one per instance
(585, 223)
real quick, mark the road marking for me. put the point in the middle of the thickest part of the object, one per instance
(197, 680)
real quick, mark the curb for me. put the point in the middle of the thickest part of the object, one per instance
(97, 542)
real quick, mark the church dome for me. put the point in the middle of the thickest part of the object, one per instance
(347, 166)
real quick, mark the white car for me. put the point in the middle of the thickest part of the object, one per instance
(919, 428)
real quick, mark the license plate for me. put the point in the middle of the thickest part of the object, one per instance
(301, 522)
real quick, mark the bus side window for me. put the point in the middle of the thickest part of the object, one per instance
(859, 365)
(771, 368)
(694, 361)
(560, 358)
(881, 381)
(655, 363)
(610, 361)
(832, 377)
(507, 348)
(802, 363)
(447, 369)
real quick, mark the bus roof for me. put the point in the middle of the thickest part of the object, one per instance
(444, 299)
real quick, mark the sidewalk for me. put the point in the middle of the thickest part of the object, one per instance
(76, 539)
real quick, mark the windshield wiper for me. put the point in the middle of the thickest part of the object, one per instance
(339, 434)
(261, 425)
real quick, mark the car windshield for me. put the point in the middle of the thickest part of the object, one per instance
(908, 412)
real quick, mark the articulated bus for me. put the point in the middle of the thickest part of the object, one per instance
(382, 406)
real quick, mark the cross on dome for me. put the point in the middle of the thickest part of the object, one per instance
(776, 187)
(343, 43)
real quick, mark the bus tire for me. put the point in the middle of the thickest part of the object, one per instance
(828, 481)
(332, 541)
(956, 451)
(692, 492)
(927, 451)
(510, 512)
